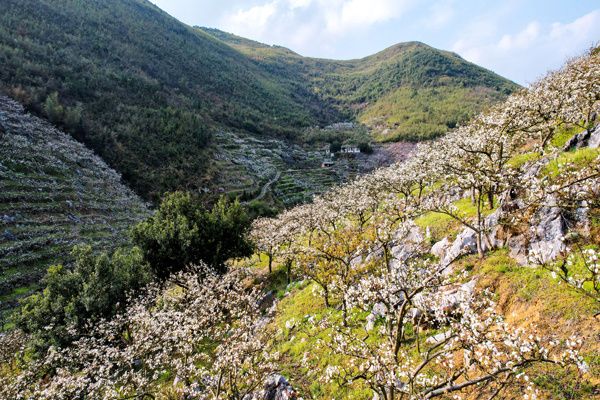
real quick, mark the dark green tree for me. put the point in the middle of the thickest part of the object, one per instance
(53, 109)
(95, 287)
(183, 233)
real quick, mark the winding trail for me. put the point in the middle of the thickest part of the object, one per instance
(266, 187)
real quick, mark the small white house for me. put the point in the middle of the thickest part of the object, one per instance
(350, 149)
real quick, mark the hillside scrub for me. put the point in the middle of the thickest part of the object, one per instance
(95, 288)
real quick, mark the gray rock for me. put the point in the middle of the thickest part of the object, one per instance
(276, 388)
(517, 246)
(493, 228)
(582, 139)
(465, 243)
(440, 337)
(547, 233)
(439, 248)
(409, 242)
(594, 141)
(267, 300)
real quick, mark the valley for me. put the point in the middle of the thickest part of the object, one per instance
(170, 88)
(188, 214)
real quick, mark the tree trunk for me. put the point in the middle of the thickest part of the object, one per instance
(270, 263)
(479, 232)
(289, 271)
(491, 198)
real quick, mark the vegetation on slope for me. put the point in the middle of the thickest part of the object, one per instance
(368, 304)
(54, 193)
(377, 297)
(140, 88)
(410, 91)
(147, 93)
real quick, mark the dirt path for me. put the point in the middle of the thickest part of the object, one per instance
(266, 187)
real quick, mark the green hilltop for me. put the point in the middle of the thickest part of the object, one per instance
(410, 91)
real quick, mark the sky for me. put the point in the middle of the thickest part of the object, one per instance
(518, 39)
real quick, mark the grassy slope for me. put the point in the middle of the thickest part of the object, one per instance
(409, 91)
(54, 193)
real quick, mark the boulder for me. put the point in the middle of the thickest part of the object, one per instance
(409, 242)
(439, 248)
(465, 243)
(594, 141)
(276, 387)
(582, 139)
(492, 224)
(517, 246)
(439, 338)
(267, 300)
(547, 233)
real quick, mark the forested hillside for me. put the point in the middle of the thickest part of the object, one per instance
(147, 92)
(409, 91)
(140, 88)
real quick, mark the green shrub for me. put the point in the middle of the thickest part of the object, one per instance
(183, 233)
(96, 287)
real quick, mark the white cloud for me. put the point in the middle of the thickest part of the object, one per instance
(440, 13)
(529, 52)
(307, 24)
(521, 40)
(356, 14)
(294, 4)
(580, 29)
(253, 20)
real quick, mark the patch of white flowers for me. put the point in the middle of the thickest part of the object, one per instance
(203, 337)
(356, 243)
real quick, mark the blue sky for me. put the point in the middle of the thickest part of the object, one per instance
(519, 39)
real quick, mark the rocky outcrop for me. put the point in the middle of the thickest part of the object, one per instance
(583, 139)
(439, 249)
(465, 243)
(594, 141)
(547, 233)
(276, 387)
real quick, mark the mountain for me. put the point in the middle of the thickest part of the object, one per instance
(142, 89)
(54, 193)
(410, 91)
(148, 93)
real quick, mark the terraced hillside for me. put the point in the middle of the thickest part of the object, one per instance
(54, 193)
(281, 172)
(147, 92)
(167, 86)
